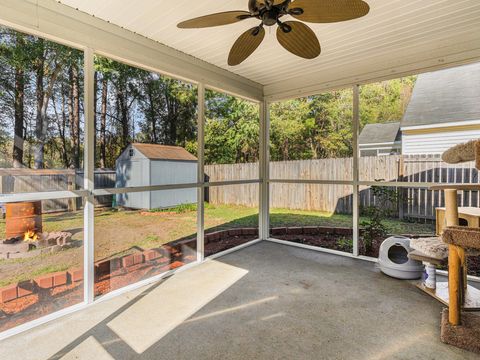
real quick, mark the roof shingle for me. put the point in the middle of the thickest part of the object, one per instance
(164, 152)
(445, 96)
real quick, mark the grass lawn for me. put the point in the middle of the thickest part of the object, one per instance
(118, 232)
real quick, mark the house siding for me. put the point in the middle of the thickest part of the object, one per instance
(435, 142)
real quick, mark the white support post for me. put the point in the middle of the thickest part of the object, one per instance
(356, 189)
(264, 171)
(201, 174)
(89, 176)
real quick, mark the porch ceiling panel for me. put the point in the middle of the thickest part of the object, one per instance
(395, 33)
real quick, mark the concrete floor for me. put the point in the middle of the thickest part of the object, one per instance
(267, 301)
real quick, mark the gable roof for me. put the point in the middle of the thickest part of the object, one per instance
(380, 133)
(445, 96)
(164, 152)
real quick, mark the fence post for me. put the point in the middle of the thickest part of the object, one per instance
(71, 186)
(401, 190)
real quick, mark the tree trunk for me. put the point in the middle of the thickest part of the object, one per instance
(123, 109)
(103, 124)
(18, 140)
(43, 97)
(76, 115)
(39, 121)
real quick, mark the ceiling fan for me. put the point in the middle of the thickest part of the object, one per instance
(294, 36)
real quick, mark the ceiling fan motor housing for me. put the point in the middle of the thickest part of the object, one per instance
(270, 17)
(295, 36)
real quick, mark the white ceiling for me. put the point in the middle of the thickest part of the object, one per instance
(392, 34)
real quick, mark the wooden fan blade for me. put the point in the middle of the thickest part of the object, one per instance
(245, 45)
(301, 40)
(223, 18)
(327, 11)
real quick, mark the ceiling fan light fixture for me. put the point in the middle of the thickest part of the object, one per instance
(294, 36)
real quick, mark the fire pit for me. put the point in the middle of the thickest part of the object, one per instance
(23, 229)
(33, 244)
(22, 217)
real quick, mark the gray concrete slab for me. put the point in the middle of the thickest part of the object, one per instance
(270, 302)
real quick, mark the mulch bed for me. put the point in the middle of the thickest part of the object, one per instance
(327, 241)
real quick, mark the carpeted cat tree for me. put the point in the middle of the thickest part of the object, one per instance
(461, 329)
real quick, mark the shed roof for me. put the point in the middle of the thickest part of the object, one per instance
(445, 96)
(164, 152)
(380, 133)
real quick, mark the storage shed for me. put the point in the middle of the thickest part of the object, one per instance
(380, 139)
(150, 165)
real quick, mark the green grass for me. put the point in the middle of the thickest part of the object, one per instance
(180, 209)
(174, 224)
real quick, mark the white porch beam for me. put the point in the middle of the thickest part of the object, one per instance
(264, 187)
(89, 178)
(66, 25)
(201, 173)
(356, 154)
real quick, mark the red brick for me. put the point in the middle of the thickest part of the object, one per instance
(235, 232)
(44, 282)
(8, 293)
(128, 261)
(310, 230)
(249, 231)
(343, 231)
(279, 231)
(138, 258)
(162, 260)
(296, 230)
(59, 278)
(151, 255)
(102, 267)
(75, 275)
(176, 264)
(326, 230)
(25, 288)
(115, 264)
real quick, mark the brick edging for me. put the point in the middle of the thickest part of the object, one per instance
(49, 281)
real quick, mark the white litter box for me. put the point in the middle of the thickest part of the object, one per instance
(393, 259)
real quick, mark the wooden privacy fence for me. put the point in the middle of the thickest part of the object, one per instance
(413, 203)
(28, 180)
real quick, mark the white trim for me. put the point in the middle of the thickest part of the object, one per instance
(441, 125)
(264, 166)
(201, 172)
(356, 174)
(46, 195)
(54, 21)
(323, 250)
(43, 320)
(89, 178)
(384, 143)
